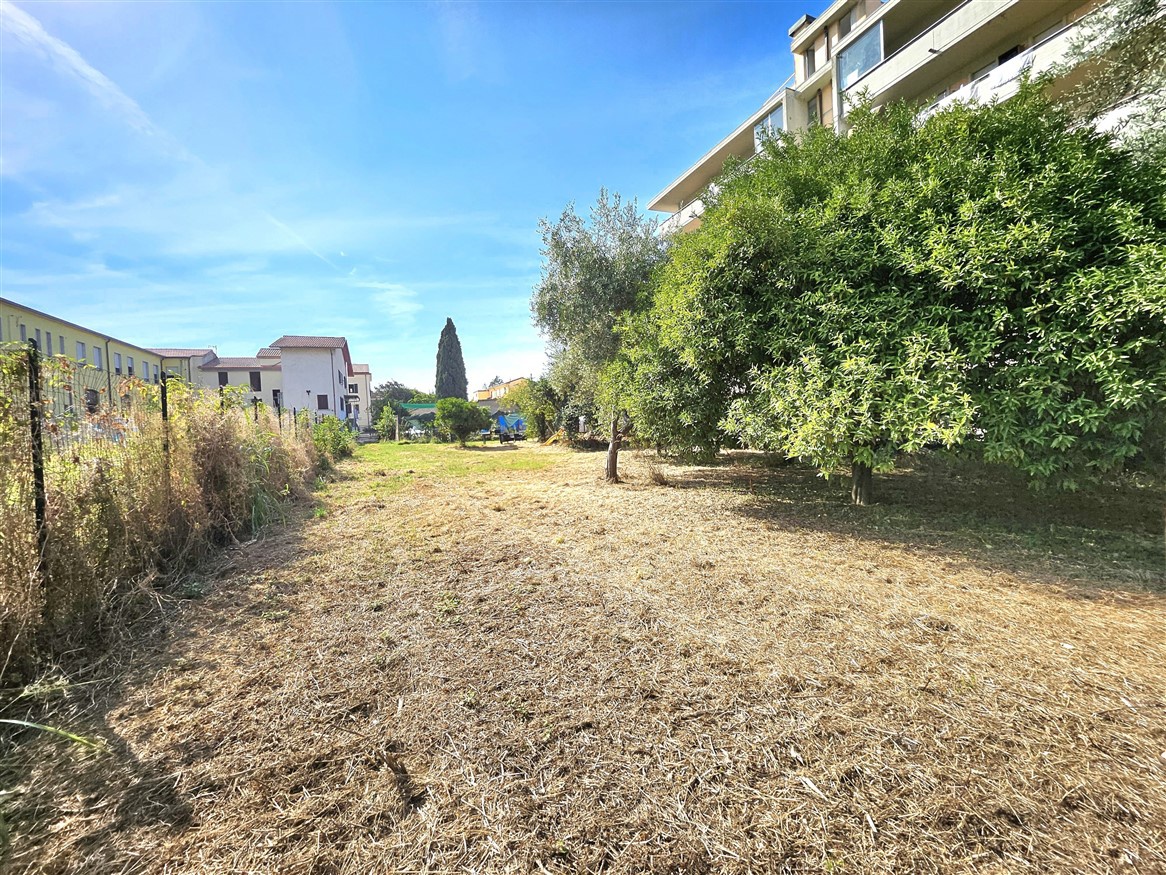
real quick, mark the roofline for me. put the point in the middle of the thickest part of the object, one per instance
(107, 337)
(824, 18)
(804, 21)
(766, 107)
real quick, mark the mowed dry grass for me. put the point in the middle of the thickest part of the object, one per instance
(519, 669)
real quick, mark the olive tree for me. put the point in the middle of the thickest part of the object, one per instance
(594, 270)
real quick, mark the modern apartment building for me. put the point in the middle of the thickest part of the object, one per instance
(927, 52)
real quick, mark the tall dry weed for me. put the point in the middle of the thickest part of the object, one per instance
(129, 498)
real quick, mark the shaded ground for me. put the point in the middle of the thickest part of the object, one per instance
(487, 661)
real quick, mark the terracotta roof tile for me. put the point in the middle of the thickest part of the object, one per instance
(309, 342)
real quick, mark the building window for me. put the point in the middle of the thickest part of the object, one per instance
(97, 363)
(40, 344)
(768, 127)
(810, 61)
(80, 350)
(117, 362)
(129, 365)
(91, 399)
(321, 402)
(847, 22)
(256, 381)
(49, 343)
(60, 344)
(352, 388)
(276, 397)
(155, 373)
(814, 108)
(222, 378)
(861, 56)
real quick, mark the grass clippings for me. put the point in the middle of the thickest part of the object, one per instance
(736, 674)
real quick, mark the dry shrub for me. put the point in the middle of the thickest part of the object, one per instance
(129, 497)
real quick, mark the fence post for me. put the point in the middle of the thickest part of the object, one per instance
(165, 418)
(40, 502)
(254, 409)
(279, 415)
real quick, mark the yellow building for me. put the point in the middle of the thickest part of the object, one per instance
(106, 359)
(498, 391)
(927, 52)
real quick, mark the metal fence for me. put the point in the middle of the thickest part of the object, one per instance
(101, 474)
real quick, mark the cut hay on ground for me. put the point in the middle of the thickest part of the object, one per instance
(522, 670)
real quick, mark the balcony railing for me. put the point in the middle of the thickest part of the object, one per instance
(965, 19)
(1004, 81)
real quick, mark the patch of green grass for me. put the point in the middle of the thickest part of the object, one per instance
(275, 616)
(387, 467)
(447, 605)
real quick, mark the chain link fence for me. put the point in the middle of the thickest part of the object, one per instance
(107, 481)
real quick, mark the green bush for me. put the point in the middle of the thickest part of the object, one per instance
(333, 438)
(458, 418)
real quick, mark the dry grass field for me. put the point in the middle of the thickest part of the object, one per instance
(488, 661)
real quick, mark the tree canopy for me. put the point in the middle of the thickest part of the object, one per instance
(390, 394)
(459, 418)
(993, 277)
(594, 271)
(451, 367)
(1122, 47)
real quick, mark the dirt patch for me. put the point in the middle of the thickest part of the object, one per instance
(525, 670)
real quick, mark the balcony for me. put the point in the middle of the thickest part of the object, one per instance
(1004, 81)
(685, 219)
(921, 64)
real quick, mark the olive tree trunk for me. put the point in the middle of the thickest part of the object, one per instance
(861, 484)
(611, 472)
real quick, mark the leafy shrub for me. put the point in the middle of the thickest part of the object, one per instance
(459, 419)
(333, 438)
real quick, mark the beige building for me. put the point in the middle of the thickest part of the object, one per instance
(927, 52)
(106, 360)
(360, 385)
(499, 390)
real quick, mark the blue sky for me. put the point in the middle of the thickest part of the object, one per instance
(224, 173)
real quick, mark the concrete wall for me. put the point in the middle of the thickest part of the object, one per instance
(311, 372)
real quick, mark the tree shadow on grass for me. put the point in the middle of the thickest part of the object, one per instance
(1104, 538)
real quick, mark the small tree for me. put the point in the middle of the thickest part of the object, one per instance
(593, 271)
(537, 402)
(459, 419)
(451, 367)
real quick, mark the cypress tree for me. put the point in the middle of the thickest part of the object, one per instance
(451, 367)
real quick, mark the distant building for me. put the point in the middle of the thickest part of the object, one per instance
(361, 385)
(295, 372)
(498, 391)
(108, 358)
(311, 373)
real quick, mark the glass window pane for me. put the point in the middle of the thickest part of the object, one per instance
(861, 56)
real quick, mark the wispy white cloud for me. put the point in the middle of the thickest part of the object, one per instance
(67, 61)
(300, 240)
(394, 299)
